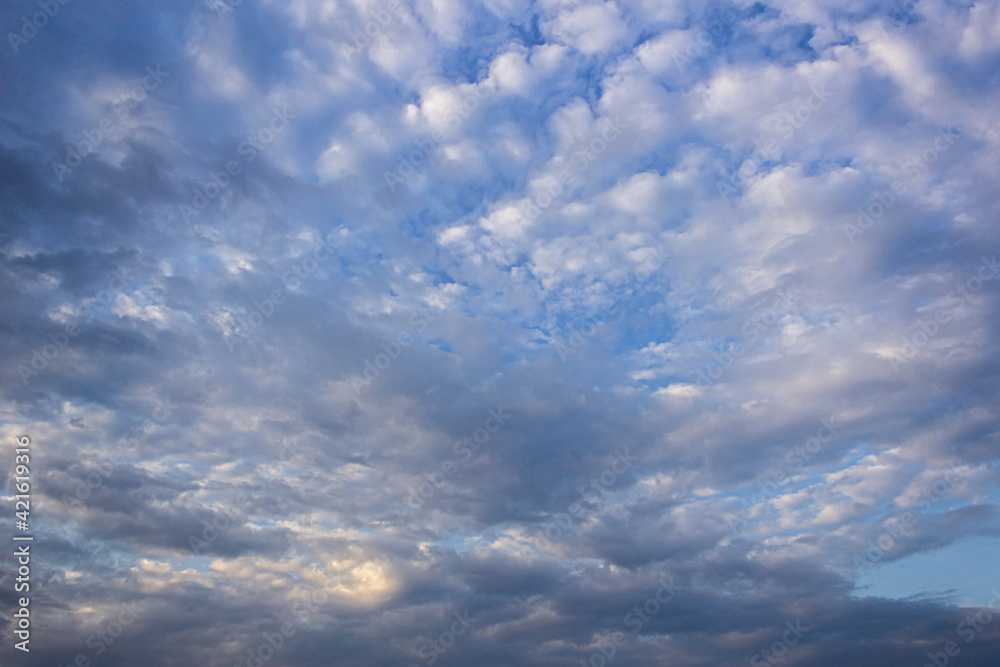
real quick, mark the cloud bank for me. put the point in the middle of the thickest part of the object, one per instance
(566, 332)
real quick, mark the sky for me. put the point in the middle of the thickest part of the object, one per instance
(501, 333)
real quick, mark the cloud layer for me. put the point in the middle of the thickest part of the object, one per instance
(501, 333)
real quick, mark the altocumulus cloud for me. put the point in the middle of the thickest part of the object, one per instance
(762, 217)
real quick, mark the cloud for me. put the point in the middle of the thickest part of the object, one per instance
(728, 270)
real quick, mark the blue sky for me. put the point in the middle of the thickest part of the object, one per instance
(350, 320)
